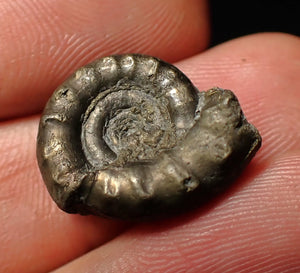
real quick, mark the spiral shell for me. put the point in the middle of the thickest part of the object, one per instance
(129, 136)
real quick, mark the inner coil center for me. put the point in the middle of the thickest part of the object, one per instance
(124, 125)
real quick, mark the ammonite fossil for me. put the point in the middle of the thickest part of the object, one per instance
(130, 137)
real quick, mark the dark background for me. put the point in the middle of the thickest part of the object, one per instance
(231, 19)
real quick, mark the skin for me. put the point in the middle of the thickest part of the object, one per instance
(253, 227)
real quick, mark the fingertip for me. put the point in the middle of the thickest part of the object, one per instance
(35, 233)
(44, 41)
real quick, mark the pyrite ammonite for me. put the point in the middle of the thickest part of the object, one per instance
(130, 137)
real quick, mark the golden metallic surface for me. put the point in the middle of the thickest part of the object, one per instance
(130, 137)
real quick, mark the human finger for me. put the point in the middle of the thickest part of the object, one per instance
(34, 233)
(255, 225)
(42, 42)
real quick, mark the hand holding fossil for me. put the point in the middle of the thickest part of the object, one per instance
(253, 226)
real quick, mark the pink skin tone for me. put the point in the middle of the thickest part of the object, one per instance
(253, 227)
